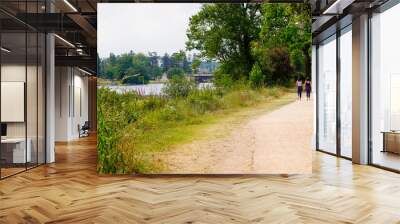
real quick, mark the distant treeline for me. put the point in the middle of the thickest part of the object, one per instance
(139, 68)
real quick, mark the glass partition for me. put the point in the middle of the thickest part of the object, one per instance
(385, 89)
(13, 94)
(22, 77)
(346, 92)
(327, 95)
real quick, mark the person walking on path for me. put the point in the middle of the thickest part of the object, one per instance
(299, 85)
(308, 89)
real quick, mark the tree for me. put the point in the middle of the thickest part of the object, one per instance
(100, 65)
(287, 26)
(195, 64)
(225, 32)
(166, 61)
(175, 71)
(279, 66)
(304, 38)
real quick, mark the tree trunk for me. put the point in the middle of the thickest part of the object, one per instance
(307, 61)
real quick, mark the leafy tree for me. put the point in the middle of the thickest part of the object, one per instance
(279, 66)
(113, 59)
(166, 61)
(175, 71)
(195, 64)
(287, 26)
(225, 32)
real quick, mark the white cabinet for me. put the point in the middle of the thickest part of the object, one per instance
(19, 155)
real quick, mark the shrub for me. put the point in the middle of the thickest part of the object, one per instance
(256, 77)
(110, 159)
(170, 113)
(223, 80)
(175, 71)
(205, 100)
(179, 87)
(153, 102)
(240, 98)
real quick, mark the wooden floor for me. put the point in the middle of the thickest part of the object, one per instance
(69, 191)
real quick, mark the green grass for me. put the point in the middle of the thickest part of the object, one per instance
(133, 129)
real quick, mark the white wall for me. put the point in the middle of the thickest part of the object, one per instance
(33, 126)
(71, 102)
(17, 73)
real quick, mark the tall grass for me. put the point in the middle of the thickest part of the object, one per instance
(132, 128)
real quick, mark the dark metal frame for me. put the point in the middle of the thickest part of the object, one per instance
(338, 76)
(338, 153)
(317, 100)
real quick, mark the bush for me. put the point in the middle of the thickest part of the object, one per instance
(205, 100)
(153, 102)
(223, 81)
(256, 77)
(175, 71)
(110, 159)
(240, 98)
(179, 87)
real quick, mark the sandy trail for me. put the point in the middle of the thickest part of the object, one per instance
(274, 142)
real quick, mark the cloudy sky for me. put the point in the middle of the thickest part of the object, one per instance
(143, 27)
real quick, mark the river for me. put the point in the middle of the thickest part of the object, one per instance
(148, 89)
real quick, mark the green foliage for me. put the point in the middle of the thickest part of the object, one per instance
(109, 159)
(175, 71)
(241, 35)
(195, 64)
(280, 71)
(225, 32)
(256, 77)
(127, 66)
(287, 26)
(223, 80)
(135, 79)
(179, 86)
(205, 100)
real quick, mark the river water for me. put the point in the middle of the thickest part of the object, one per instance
(148, 89)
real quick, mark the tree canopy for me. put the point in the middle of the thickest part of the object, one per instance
(225, 32)
(276, 37)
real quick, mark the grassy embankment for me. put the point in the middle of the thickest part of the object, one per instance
(133, 129)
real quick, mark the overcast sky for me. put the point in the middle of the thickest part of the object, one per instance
(143, 27)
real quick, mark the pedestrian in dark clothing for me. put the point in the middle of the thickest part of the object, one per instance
(308, 89)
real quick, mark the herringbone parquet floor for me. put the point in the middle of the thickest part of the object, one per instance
(69, 191)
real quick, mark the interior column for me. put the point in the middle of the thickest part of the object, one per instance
(360, 90)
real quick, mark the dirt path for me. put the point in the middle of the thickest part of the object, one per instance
(275, 142)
